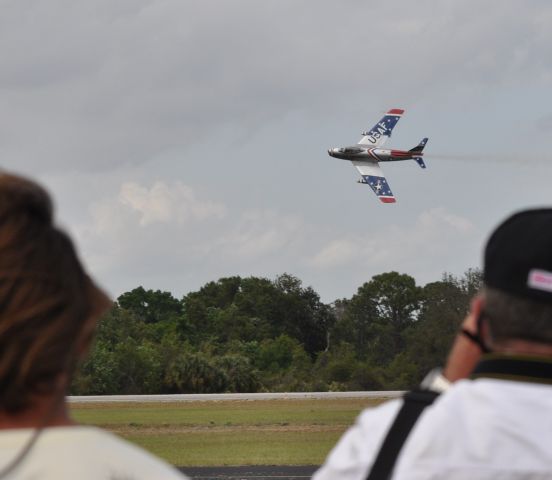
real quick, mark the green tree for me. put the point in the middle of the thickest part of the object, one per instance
(341, 370)
(98, 375)
(249, 334)
(277, 354)
(376, 316)
(201, 309)
(240, 374)
(195, 372)
(396, 296)
(284, 365)
(471, 282)
(138, 367)
(255, 309)
(443, 307)
(303, 315)
(150, 305)
(119, 324)
(259, 299)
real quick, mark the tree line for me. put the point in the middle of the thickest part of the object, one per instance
(255, 334)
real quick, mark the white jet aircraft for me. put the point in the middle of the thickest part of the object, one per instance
(367, 154)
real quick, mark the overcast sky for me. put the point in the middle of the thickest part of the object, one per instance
(185, 141)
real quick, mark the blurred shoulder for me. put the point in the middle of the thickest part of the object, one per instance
(119, 454)
(84, 453)
(355, 451)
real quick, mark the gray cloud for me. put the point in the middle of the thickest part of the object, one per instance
(164, 231)
(186, 140)
(96, 85)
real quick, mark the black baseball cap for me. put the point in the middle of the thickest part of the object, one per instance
(518, 255)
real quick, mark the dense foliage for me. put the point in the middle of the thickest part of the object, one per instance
(254, 334)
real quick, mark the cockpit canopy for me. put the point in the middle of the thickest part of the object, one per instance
(350, 150)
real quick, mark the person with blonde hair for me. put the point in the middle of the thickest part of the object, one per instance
(49, 308)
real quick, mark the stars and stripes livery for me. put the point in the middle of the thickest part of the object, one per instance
(367, 154)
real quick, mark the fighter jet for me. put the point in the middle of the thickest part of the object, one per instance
(367, 154)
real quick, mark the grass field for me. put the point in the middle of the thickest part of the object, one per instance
(263, 432)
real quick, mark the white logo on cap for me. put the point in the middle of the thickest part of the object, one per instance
(540, 280)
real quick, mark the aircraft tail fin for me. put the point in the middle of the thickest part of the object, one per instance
(420, 147)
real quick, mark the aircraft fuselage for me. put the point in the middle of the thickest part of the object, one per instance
(358, 152)
(368, 153)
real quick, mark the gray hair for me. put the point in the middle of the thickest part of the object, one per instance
(511, 317)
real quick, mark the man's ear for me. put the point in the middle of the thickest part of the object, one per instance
(477, 309)
(476, 305)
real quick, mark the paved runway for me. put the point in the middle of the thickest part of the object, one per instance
(257, 472)
(209, 397)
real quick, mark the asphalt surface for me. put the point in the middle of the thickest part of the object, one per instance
(206, 397)
(256, 472)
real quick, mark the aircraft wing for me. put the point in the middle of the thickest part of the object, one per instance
(381, 131)
(372, 175)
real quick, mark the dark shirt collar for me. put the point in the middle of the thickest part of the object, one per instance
(515, 367)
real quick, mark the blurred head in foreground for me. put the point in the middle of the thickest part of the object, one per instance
(513, 313)
(518, 279)
(48, 304)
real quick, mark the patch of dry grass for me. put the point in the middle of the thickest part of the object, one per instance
(270, 432)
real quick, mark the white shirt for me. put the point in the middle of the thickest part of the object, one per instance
(478, 430)
(83, 453)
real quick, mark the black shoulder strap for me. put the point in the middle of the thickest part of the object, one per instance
(414, 404)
